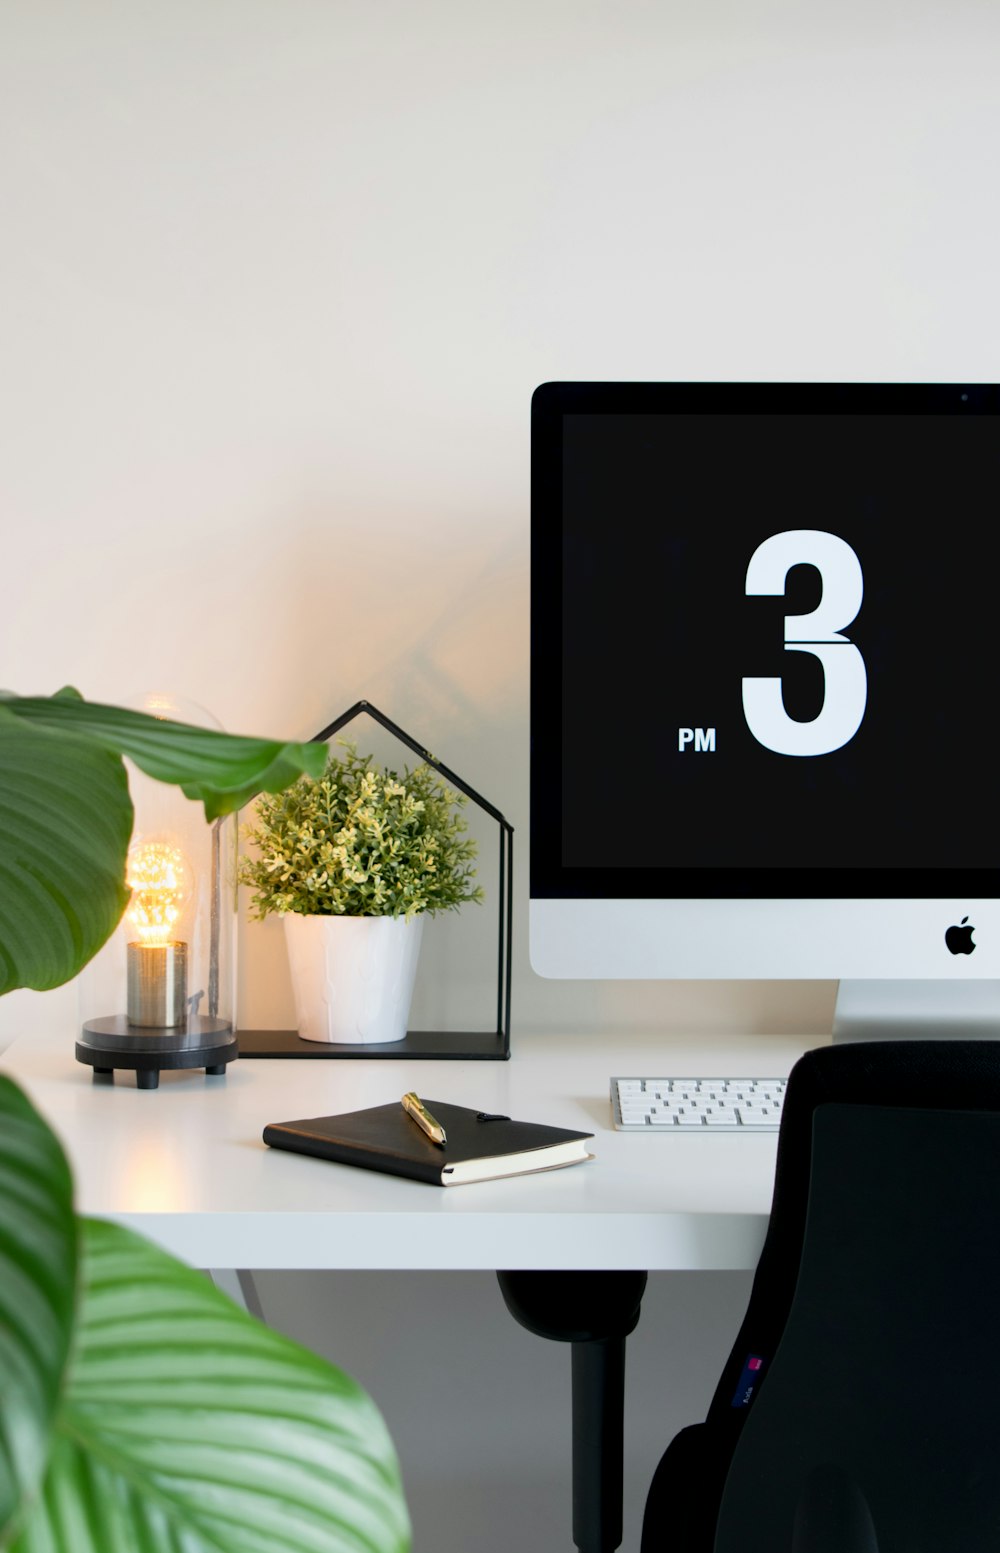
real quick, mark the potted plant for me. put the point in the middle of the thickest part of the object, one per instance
(353, 862)
(140, 1407)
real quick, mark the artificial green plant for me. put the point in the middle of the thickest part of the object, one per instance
(361, 842)
(141, 1411)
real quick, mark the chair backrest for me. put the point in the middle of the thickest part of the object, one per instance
(861, 1401)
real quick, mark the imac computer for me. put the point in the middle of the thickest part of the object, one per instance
(764, 690)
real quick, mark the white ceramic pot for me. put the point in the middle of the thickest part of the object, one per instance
(353, 976)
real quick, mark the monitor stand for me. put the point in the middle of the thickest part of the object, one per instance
(916, 1010)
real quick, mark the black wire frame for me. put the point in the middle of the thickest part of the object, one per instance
(463, 1045)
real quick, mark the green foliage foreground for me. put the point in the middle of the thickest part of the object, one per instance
(66, 816)
(141, 1411)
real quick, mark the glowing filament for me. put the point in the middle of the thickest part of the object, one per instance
(157, 876)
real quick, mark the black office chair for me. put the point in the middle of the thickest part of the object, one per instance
(859, 1410)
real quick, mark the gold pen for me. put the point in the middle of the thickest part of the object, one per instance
(414, 1106)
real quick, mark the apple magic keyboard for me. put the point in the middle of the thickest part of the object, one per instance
(747, 1105)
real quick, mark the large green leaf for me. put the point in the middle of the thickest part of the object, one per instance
(188, 1427)
(66, 816)
(65, 823)
(224, 771)
(37, 1293)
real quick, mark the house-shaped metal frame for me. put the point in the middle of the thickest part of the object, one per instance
(464, 1044)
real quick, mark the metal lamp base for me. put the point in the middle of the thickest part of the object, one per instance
(107, 1044)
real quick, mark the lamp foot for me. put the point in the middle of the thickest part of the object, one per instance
(108, 1044)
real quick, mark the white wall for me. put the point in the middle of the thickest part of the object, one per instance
(277, 279)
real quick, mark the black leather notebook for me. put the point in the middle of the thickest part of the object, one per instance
(479, 1147)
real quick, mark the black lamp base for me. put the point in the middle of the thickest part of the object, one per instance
(107, 1044)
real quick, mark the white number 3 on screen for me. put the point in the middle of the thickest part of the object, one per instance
(819, 632)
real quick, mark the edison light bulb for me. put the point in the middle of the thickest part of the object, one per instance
(160, 882)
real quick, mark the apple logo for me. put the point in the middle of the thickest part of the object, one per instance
(959, 938)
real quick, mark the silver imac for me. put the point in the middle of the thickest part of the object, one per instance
(764, 674)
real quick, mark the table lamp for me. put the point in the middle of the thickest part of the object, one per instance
(160, 993)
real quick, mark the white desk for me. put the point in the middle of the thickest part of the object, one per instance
(185, 1165)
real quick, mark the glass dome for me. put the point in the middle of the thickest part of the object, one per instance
(163, 985)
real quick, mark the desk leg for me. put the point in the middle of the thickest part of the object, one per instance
(239, 1285)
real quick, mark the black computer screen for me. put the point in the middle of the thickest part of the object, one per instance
(764, 645)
